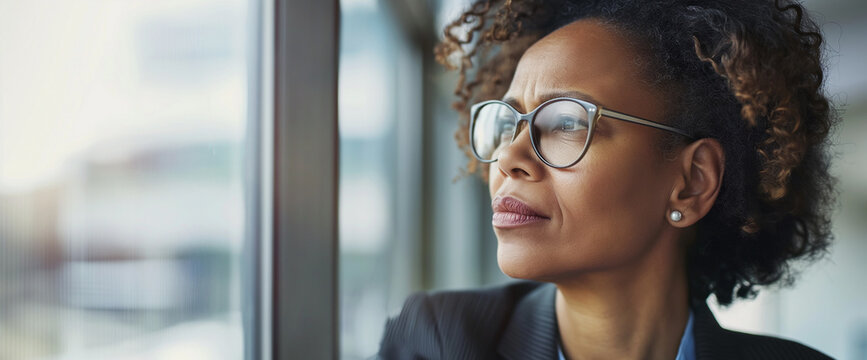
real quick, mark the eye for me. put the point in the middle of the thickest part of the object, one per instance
(567, 123)
(570, 122)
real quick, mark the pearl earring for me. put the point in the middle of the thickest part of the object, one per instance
(676, 215)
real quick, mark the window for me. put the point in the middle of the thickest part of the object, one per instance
(122, 178)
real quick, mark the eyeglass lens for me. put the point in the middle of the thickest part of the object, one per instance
(560, 131)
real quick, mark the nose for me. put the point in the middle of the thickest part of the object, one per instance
(518, 160)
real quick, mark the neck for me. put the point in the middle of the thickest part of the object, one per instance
(638, 312)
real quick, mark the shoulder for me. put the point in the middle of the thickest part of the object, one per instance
(753, 346)
(467, 321)
(481, 302)
(715, 342)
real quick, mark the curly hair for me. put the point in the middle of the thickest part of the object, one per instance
(748, 73)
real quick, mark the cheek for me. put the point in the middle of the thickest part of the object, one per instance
(624, 177)
(609, 208)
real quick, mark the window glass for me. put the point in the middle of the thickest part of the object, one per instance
(122, 213)
(379, 109)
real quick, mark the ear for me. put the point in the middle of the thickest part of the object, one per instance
(698, 181)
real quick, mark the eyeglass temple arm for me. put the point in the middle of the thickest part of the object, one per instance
(640, 121)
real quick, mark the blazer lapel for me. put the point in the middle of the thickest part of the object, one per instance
(710, 339)
(532, 331)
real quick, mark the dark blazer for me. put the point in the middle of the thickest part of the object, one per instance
(517, 321)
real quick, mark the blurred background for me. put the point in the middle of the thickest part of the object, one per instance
(126, 173)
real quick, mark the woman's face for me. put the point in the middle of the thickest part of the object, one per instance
(609, 209)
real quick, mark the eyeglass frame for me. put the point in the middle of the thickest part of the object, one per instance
(594, 113)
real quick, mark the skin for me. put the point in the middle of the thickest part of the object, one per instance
(608, 244)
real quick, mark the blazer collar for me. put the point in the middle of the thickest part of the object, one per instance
(532, 332)
(710, 339)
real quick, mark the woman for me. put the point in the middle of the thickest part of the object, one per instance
(641, 156)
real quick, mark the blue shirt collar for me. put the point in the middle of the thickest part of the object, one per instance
(686, 350)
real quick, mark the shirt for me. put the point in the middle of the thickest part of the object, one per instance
(686, 350)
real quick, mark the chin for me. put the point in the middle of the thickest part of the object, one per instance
(534, 261)
(522, 263)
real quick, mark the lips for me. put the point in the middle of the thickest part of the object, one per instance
(510, 212)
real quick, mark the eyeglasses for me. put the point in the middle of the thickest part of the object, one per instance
(560, 129)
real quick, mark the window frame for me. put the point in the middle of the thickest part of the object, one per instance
(304, 252)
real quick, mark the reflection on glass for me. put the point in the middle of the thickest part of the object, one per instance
(121, 197)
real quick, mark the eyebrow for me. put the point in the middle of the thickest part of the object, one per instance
(577, 94)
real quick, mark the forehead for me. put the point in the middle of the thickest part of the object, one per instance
(587, 57)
